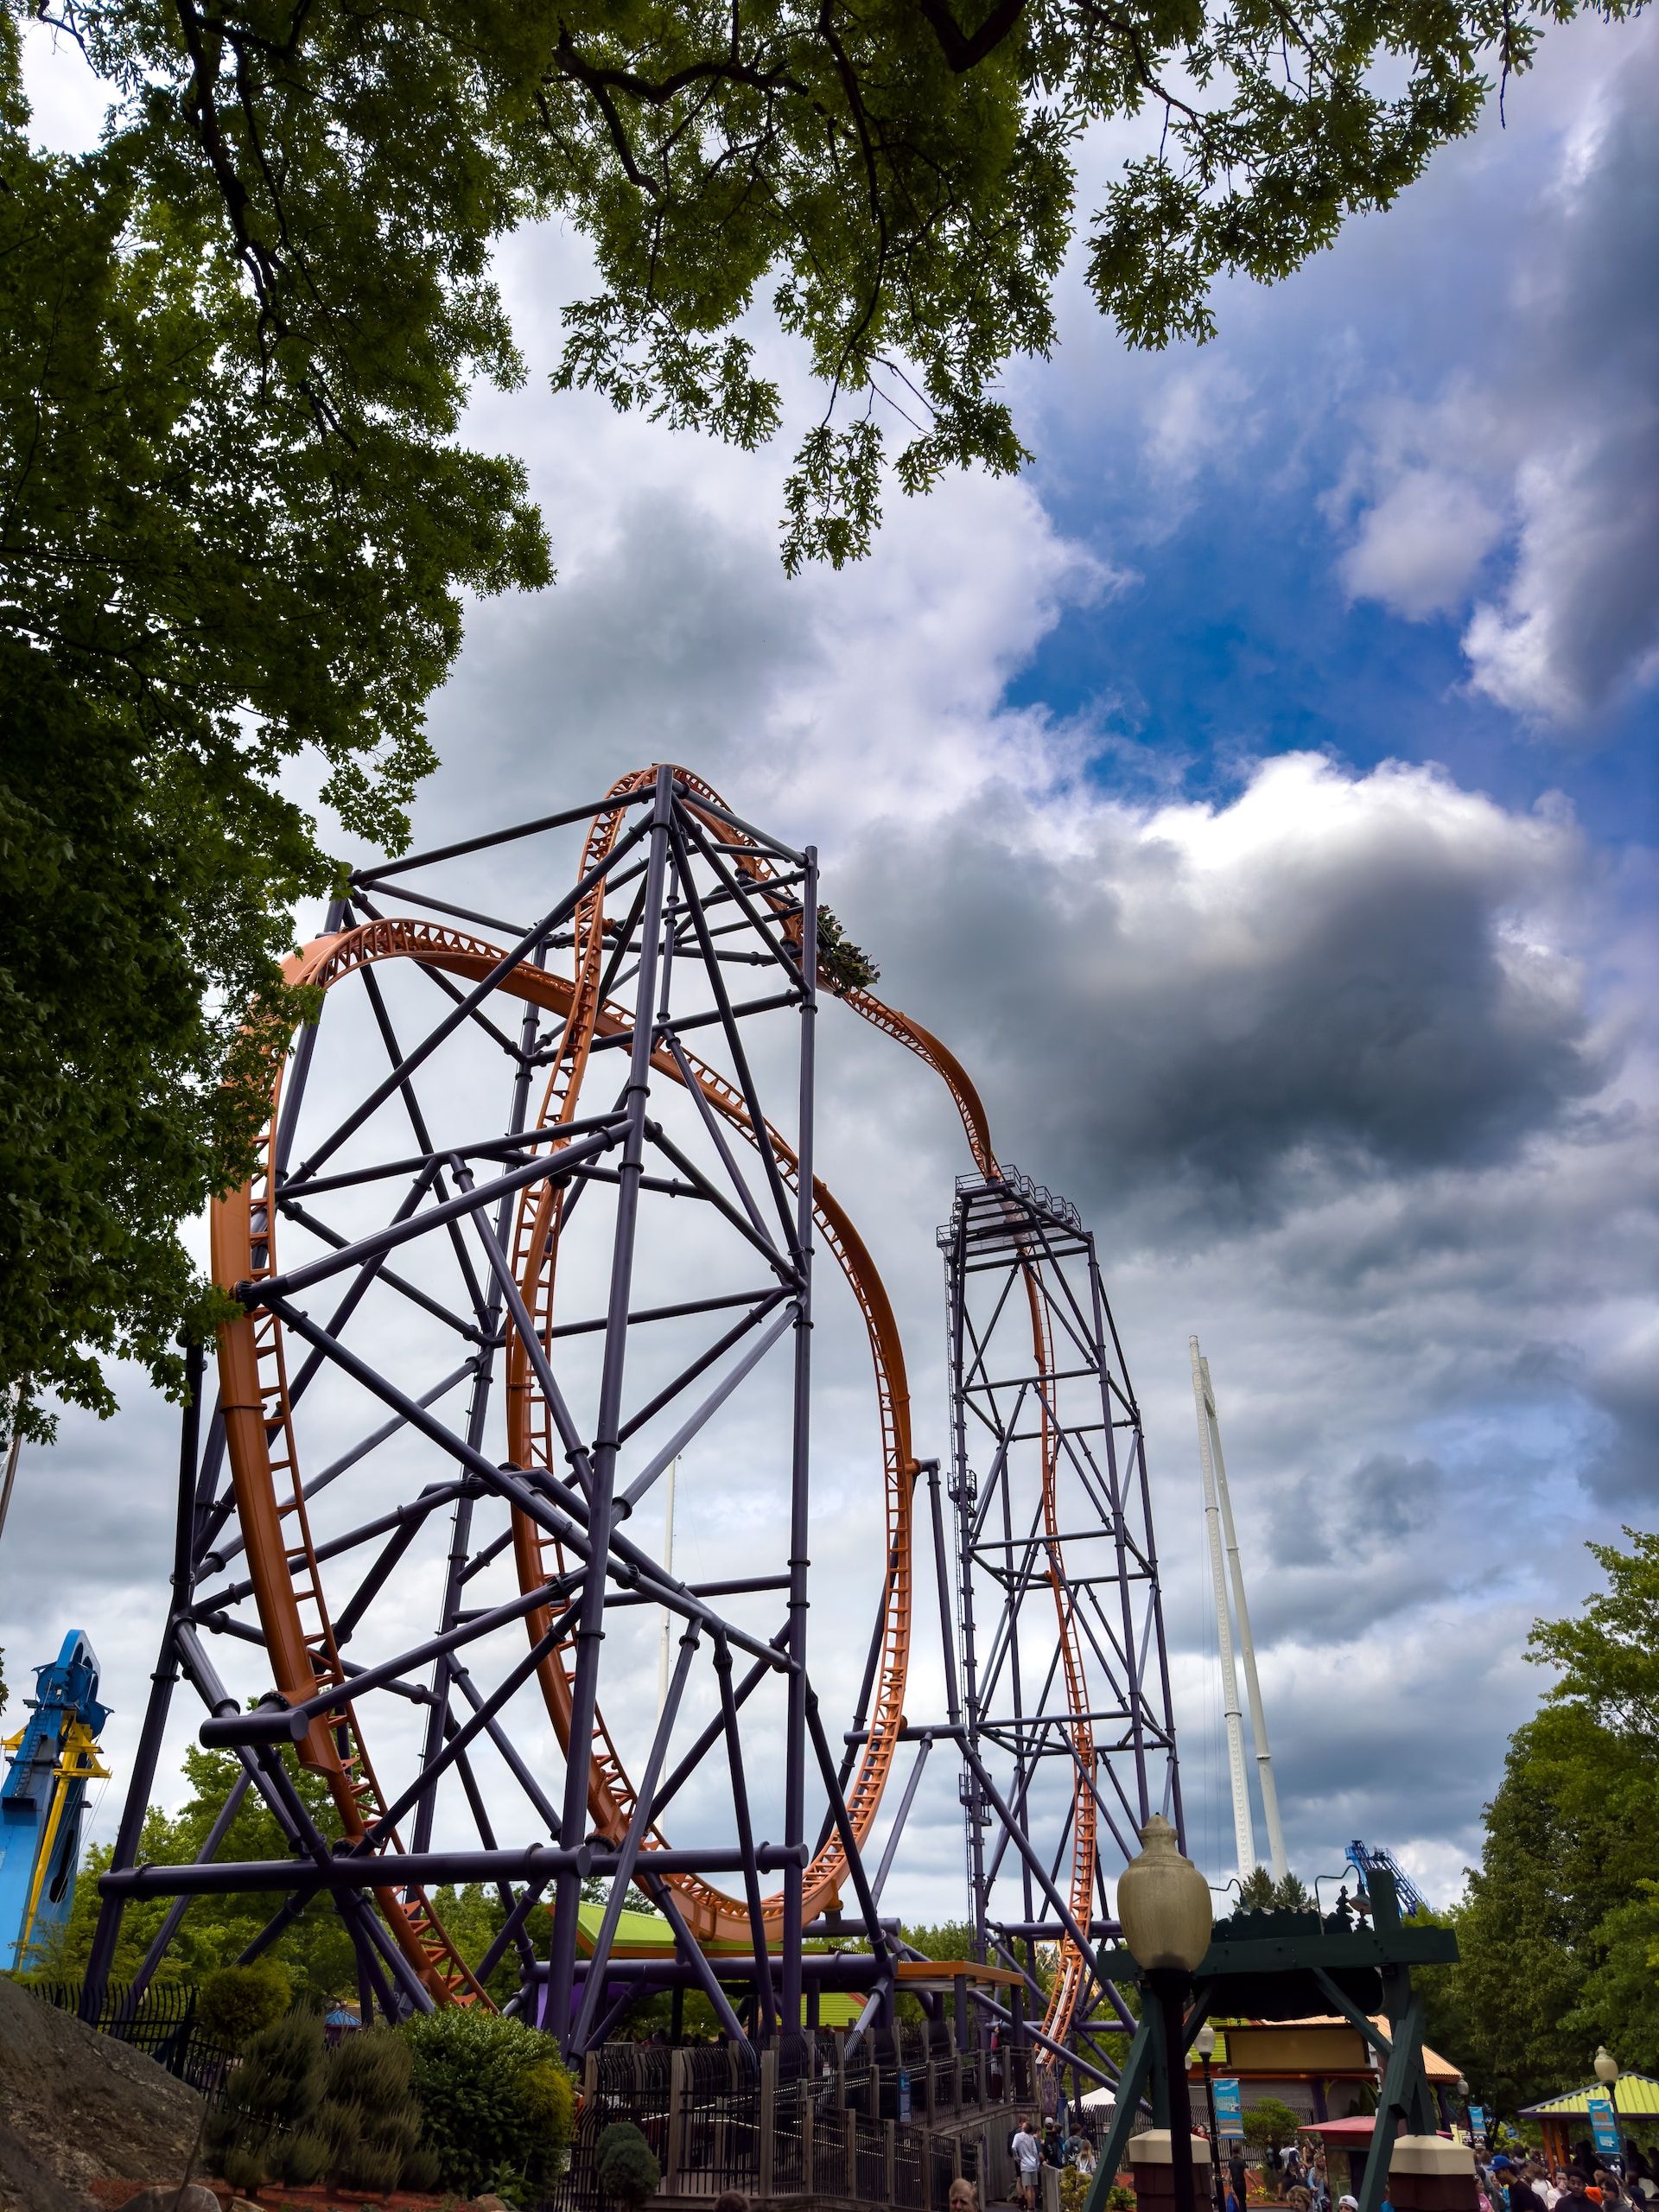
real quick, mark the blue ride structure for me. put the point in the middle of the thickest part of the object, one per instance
(51, 1760)
(1362, 1856)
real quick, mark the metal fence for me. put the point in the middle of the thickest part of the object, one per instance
(160, 2022)
(802, 2122)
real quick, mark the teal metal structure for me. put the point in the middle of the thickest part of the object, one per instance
(1286, 1966)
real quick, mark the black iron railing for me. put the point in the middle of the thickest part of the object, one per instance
(895, 2126)
(160, 2022)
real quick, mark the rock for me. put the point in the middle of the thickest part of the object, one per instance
(77, 2107)
(243, 2204)
(488, 2205)
(165, 2197)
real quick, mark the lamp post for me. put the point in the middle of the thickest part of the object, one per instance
(1606, 2068)
(1163, 1907)
(1204, 2043)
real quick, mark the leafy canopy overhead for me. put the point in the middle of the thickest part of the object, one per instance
(237, 520)
(895, 180)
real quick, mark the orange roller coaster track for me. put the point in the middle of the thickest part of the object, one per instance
(466, 1243)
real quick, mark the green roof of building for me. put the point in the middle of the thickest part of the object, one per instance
(1632, 2093)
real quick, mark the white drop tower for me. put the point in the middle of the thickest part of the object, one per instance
(1218, 1522)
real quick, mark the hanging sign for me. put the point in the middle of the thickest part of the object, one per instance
(1230, 2112)
(1603, 2126)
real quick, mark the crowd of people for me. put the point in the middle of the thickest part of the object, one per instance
(1587, 2183)
(1531, 2184)
(1036, 2144)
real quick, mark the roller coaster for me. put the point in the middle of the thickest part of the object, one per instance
(465, 1351)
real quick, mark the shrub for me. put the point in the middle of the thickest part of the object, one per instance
(490, 2113)
(277, 2087)
(548, 2097)
(237, 2002)
(369, 2118)
(623, 2165)
(1270, 2125)
(300, 2157)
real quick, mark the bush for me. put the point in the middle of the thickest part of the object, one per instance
(548, 2097)
(1270, 2125)
(237, 2002)
(300, 2157)
(623, 2165)
(370, 2118)
(278, 2087)
(495, 2102)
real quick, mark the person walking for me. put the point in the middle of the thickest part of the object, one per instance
(1238, 2175)
(1027, 2162)
(1523, 2197)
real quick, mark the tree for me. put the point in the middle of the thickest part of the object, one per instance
(1607, 1655)
(1256, 1891)
(1558, 1931)
(316, 1952)
(236, 521)
(226, 541)
(1270, 2125)
(473, 1916)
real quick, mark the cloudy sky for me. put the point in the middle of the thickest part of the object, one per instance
(1259, 797)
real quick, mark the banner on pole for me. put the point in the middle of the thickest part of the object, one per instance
(1604, 2126)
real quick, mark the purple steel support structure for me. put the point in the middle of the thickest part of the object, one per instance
(404, 1251)
(1064, 1686)
(494, 1593)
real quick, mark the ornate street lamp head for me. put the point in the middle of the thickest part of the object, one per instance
(1163, 1903)
(1205, 2042)
(1606, 2065)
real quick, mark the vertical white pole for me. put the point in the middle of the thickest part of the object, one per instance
(1244, 1824)
(1246, 1645)
(668, 1568)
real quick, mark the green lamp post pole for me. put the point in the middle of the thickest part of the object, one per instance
(1204, 2043)
(1606, 2068)
(1163, 1906)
